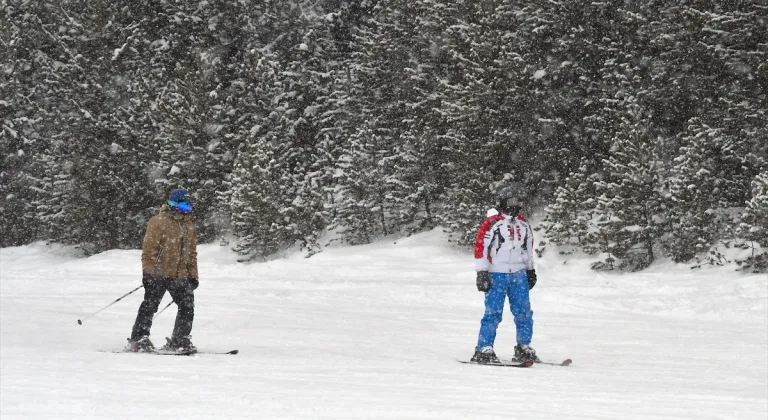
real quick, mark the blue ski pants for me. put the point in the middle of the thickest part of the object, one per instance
(514, 285)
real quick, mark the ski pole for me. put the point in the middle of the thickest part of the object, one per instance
(161, 311)
(80, 321)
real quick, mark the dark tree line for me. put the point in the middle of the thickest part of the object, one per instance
(640, 128)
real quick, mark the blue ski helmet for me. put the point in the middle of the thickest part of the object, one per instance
(180, 200)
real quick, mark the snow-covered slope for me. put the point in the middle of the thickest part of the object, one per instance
(374, 332)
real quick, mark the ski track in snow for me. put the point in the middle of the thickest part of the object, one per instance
(373, 332)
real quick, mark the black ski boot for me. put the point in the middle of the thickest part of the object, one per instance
(180, 345)
(142, 345)
(525, 352)
(484, 356)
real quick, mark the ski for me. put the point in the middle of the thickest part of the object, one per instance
(172, 353)
(218, 352)
(153, 353)
(516, 364)
(192, 353)
(566, 362)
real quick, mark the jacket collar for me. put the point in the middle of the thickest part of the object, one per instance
(166, 211)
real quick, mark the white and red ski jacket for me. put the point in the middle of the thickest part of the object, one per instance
(504, 245)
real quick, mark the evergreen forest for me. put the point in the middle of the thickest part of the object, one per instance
(638, 128)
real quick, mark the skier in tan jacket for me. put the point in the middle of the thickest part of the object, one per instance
(169, 262)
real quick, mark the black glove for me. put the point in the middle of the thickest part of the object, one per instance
(193, 282)
(148, 280)
(531, 278)
(483, 281)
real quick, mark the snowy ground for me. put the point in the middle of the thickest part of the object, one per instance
(374, 332)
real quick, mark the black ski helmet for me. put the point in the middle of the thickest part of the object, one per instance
(511, 199)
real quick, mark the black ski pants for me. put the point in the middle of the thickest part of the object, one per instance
(154, 289)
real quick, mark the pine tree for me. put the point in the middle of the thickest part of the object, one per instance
(568, 221)
(465, 186)
(754, 226)
(374, 118)
(565, 47)
(202, 115)
(400, 94)
(394, 80)
(19, 138)
(629, 208)
(35, 66)
(737, 41)
(360, 207)
(487, 125)
(694, 194)
(102, 198)
(291, 154)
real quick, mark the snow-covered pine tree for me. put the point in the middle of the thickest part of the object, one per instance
(201, 107)
(735, 40)
(481, 101)
(21, 143)
(561, 46)
(510, 110)
(100, 125)
(568, 220)
(404, 57)
(707, 62)
(466, 119)
(249, 187)
(486, 118)
(629, 208)
(361, 209)
(695, 198)
(282, 202)
(341, 116)
(422, 171)
(38, 66)
(754, 227)
(379, 167)
(684, 72)
(253, 206)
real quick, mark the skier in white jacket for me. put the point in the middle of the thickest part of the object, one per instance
(504, 265)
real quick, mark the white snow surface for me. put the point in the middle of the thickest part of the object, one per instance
(374, 332)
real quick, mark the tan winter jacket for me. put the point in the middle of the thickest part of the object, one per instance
(170, 246)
